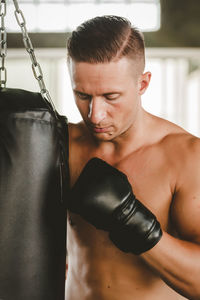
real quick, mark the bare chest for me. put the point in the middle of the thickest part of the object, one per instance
(152, 180)
(91, 250)
(149, 172)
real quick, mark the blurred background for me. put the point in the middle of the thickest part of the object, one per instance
(172, 36)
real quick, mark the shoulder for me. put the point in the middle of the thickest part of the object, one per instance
(79, 136)
(180, 151)
(177, 142)
(183, 152)
(80, 148)
(76, 131)
(185, 207)
(181, 146)
(79, 141)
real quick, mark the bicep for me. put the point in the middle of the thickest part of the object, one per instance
(185, 209)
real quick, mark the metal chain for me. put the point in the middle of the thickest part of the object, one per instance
(3, 44)
(37, 71)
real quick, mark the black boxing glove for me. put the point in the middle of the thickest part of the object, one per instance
(103, 196)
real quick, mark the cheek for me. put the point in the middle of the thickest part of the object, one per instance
(127, 114)
(124, 110)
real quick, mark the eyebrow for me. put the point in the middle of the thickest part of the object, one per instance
(105, 94)
(78, 92)
(109, 93)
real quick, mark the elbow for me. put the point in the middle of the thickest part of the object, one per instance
(189, 287)
(195, 294)
(194, 297)
(193, 289)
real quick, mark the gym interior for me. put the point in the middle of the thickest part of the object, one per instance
(172, 53)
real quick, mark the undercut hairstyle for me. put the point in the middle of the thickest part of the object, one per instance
(105, 39)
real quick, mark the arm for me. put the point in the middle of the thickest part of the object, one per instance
(103, 196)
(178, 260)
(178, 264)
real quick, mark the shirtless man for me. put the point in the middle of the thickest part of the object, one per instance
(161, 162)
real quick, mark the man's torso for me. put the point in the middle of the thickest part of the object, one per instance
(96, 268)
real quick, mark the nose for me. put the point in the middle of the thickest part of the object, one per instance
(97, 110)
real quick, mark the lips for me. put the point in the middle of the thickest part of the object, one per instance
(98, 129)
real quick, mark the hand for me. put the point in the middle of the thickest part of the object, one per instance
(103, 196)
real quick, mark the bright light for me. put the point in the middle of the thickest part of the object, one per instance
(66, 16)
(146, 16)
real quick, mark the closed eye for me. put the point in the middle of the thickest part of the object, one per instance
(82, 96)
(112, 96)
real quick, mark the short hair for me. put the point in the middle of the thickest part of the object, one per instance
(105, 39)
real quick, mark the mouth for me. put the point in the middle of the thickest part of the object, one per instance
(100, 130)
(97, 129)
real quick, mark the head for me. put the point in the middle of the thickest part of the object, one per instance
(106, 61)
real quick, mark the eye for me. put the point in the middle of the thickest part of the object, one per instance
(83, 96)
(113, 96)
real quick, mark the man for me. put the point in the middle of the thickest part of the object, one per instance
(161, 162)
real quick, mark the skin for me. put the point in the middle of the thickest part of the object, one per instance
(162, 163)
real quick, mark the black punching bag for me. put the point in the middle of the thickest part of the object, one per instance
(33, 184)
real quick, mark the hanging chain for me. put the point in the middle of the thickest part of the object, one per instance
(3, 44)
(37, 71)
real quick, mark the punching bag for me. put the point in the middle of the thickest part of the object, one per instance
(33, 186)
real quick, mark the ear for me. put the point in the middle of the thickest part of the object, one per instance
(144, 81)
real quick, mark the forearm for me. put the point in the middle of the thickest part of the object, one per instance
(178, 264)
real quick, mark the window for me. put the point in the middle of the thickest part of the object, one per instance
(65, 15)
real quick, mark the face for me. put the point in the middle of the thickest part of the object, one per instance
(108, 95)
